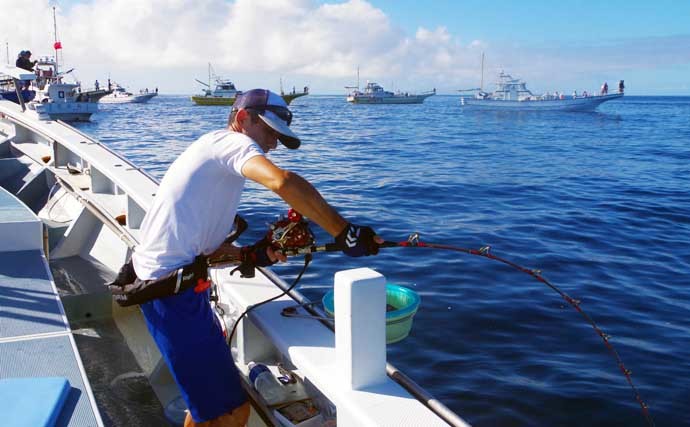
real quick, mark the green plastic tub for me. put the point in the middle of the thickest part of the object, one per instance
(402, 304)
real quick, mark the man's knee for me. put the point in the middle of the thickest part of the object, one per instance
(236, 418)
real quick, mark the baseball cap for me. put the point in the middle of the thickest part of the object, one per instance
(273, 110)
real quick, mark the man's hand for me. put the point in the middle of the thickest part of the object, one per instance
(261, 255)
(356, 241)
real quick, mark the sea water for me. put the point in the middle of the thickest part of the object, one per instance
(598, 202)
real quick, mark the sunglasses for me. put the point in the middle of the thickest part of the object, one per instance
(283, 113)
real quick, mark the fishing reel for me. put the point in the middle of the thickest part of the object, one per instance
(291, 234)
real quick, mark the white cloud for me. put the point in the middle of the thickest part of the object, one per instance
(167, 43)
(321, 42)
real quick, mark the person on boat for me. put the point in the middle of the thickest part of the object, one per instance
(190, 217)
(604, 88)
(24, 61)
(97, 85)
(621, 86)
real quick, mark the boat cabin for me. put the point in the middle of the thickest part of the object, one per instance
(510, 89)
(224, 88)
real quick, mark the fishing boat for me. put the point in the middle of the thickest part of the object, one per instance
(48, 97)
(120, 95)
(91, 95)
(512, 94)
(8, 92)
(224, 92)
(375, 94)
(71, 211)
(58, 99)
(290, 96)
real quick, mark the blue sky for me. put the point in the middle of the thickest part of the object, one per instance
(403, 44)
(538, 21)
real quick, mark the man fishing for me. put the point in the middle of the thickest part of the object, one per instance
(191, 215)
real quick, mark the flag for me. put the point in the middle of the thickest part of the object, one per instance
(57, 45)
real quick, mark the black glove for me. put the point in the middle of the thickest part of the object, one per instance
(253, 256)
(356, 241)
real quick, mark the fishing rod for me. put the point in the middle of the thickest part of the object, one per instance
(292, 236)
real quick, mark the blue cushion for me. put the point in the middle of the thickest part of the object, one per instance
(32, 402)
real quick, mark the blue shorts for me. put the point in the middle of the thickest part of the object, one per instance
(190, 338)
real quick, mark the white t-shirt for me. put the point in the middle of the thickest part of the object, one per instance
(194, 208)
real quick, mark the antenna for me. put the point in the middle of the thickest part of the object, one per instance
(7, 47)
(358, 77)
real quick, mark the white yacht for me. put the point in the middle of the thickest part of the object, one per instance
(512, 94)
(375, 94)
(120, 95)
(71, 211)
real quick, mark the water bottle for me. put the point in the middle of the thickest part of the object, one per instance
(266, 384)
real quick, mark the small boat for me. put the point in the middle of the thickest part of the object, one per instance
(512, 94)
(56, 97)
(224, 92)
(71, 211)
(53, 99)
(290, 96)
(8, 92)
(120, 95)
(92, 95)
(375, 94)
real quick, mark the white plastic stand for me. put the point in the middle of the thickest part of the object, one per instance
(360, 333)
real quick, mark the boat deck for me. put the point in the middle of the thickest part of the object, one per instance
(35, 338)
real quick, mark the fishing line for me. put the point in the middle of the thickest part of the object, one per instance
(292, 236)
(414, 242)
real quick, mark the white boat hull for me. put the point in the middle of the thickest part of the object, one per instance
(66, 111)
(134, 99)
(402, 99)
(571, 104)
(89, 205)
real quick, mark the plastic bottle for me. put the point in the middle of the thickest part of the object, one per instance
(266, 384)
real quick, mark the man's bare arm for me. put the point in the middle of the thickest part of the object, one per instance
(296, 191)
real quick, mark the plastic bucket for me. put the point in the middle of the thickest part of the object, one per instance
(402, 304)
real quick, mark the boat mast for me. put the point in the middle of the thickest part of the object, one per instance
(7, 47)
(55, 44)
(209, 76)
(358, 77)
(481, 85)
